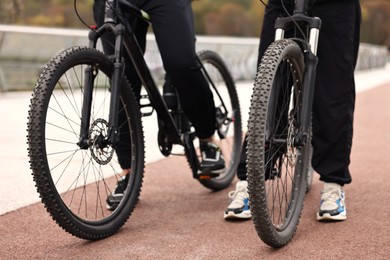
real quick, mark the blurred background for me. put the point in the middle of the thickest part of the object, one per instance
(31, 32)
(212, 17)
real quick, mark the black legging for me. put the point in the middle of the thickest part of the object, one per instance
(173, 26)
(334, 98)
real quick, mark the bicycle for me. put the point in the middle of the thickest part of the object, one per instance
(74, 127)
(279, 128)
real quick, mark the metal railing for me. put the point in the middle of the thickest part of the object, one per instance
(24, 50)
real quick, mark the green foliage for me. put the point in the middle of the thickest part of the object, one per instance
(58, 13)
(217, 17)
(376, 19)
(228, 17)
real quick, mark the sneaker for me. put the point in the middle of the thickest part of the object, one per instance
(239, 207)
(332, 205)
(212, 159)
(115, 198)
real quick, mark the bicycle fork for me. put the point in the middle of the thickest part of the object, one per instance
(311, 59)
(90, 73)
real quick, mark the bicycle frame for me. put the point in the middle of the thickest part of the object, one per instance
(124, 36)
(311, 60)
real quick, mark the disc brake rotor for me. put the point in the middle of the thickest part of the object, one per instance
(100, 150)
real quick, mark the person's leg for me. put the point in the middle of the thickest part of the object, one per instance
(108, 41)
(334, 101)
(172, 23)
(239, 207)
(123, 148)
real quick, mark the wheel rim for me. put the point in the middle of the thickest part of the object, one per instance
(83, 178)
(282, 156)
(228, 118)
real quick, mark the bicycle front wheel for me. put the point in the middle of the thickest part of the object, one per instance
(74, 178)
(277, 166)
(228, 116)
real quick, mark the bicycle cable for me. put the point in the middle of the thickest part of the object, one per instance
(79, 16)
(289, 15)
(82, 20)
(295, 22)
(263, 2)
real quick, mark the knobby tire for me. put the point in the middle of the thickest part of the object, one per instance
(277, 168)
(230, 144)
(74, 183)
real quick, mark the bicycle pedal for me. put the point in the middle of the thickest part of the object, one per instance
(204, 175)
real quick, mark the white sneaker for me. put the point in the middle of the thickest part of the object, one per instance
(239, 207)
(332, 205)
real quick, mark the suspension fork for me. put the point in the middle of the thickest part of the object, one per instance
(307, 98)
(90, 74)
(116, 84)
(311, 59)
(117, 76)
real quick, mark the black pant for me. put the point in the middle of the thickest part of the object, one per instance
(173, 26)
(334, 98)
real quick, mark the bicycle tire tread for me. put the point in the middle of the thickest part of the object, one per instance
(36, 148)
(256, 190)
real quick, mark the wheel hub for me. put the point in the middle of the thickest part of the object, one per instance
(101, 151)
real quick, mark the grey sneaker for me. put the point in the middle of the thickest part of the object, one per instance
(239, 206)
(332, 205)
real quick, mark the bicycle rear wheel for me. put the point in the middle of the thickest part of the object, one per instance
(228, 115)
(277, 167)
(74, 180)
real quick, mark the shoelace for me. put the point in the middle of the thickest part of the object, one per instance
(238, 194)
(332, 195)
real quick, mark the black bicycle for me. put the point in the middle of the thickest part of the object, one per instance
(75, 127)
(279, 128)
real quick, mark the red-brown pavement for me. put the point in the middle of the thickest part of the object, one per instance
(177, 218)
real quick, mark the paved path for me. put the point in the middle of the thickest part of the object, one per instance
(183, 220)
(17, 188)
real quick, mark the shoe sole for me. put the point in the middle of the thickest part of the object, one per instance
(112, 207)
(242, 215)
(328, 217)
(112, 201)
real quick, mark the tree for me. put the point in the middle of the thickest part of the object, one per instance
(228, 17)
(10, 10)
(376, 18)
(234, 20)
(217, 17)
